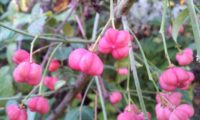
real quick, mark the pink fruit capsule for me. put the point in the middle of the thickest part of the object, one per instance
(169, 30)
(185, 57)
(54, 65)
(115, 42)
(122, 71)
(79, 96)
(111, 35)
(91, 64)
(20, 56)
(120, 53)
(85, 61)
(27, 72)
(181, 29)
(142, 117)
(50, 82)
(131, 108)
(162, 112)
(115, 97)
(185, 85)
(182, 112)
(39, 104)
(175, 77)
(173, 97)
(123, 39)
(14, 112)
(127, 116)
(104, 46)
(75, 57)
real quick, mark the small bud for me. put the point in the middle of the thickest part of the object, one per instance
(185, 57)
(50, 82)
(54, 65)
(115, 97)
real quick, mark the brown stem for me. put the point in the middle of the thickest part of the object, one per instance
(80, 83)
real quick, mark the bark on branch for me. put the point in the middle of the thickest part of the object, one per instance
(80, 83)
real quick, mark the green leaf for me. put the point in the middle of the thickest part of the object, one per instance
(62, 53)
(62, 16)
(24, 88)
(178, 22)
(59, 84)
(12, 9)
(68, 30)
(22, 19)
(36, 27)
(6, 86)
(5, 34)
(36, 12)
(10, 51)
(74, 114)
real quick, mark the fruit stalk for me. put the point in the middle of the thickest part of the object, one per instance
(162, 31)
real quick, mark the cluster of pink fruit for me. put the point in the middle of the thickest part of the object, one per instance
(113, 41)
(30, 73)
(168, 104)
(169, 108)
(85, 61)
(35, 104)
(26, 72)
(131, 112)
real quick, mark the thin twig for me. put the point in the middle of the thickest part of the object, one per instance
(50, 39)
(101, 98)
(162, 32)
(74, 5)
(95, 106)
(45, 58)
(104, 91)
(46, 68)
(80, 26)
(84, 97)
(145, 62)
(112, 14)
(31, 49)
(43, 48)
(134, 72)
(96, 23)
(100, 35)
(80, 83)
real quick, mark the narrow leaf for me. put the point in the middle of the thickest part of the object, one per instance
(178, 22)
